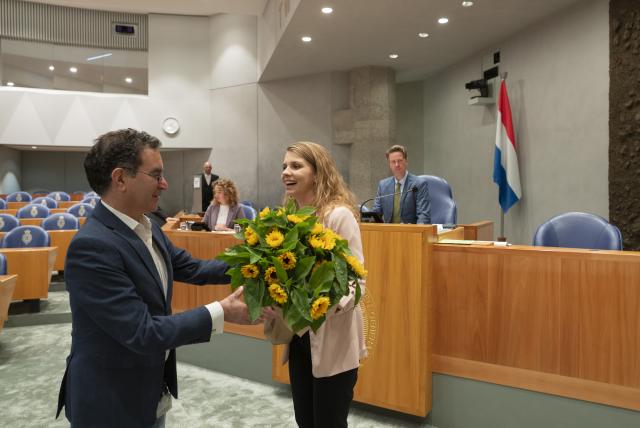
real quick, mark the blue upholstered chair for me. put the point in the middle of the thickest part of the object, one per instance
(91, 200)
(91, 194)
(3, 204)
(3, 265)
(80, 210)
(8, 222)
(26, 237)
(46, 201)
(247, 203)
(60, 196)
(248, 211)
(33, 211)
(443, 207)
(19, 197)
(63, 221)
(578, 230)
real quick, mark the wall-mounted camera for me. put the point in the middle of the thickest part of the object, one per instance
(480, 85)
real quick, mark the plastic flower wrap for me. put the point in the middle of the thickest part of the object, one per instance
(291, 261)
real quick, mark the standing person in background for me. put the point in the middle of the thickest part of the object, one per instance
(403, 197)
(206, 180)
(224, 210)
(121, 370)
(323, 366)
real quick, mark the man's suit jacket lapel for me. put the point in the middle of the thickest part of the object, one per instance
(388, 189)
(157, 239)
(119, 228)
(408, 183)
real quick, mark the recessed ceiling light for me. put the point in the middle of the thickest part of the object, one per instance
(306, 39)
(327, 10)
(467, 3)
(443, 20)
(128, 79)
(34, 147)
(393, 56)
(423, 35)
(51, 68)
(10, 83)
(73, 69)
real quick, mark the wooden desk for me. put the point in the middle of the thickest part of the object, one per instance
(205, 245)
(7, 285)
(397, 373)
(61, 239)
(553, 320)
(33, 267)
(13, 211)
(30, 221)
(16, 205)
(455, 233)
(66, 204)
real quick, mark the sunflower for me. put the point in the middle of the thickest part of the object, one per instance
(319, 307)
(274, 238)
(317, 229)
(288, 260)
(277, 293)
(294, 218)
(270, 275)
(356, 266)
(265, 212)
(249, 271)
(251, 236)
(329, 239)
(316, 241)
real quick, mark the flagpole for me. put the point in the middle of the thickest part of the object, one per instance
(501, 237)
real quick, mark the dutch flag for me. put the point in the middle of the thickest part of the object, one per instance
(505, 160)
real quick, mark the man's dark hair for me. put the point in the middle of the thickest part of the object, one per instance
(116, 149)
(397, 148)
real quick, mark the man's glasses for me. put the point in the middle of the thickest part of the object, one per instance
(158, 176)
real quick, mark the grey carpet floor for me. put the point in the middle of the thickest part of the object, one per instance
(32, 362)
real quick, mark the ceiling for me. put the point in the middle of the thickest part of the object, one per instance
(365, 32)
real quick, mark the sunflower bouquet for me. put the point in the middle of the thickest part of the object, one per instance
(289, 260)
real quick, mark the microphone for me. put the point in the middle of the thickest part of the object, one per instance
(413, 189)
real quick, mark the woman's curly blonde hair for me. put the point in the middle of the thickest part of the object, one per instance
(229, 190)
(330, 188)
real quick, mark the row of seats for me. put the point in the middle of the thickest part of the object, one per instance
(49, 203)
(59, 221)
(56, 196)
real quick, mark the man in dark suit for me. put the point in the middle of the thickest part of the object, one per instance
(409, 194)
(207, 179)
(120, 268)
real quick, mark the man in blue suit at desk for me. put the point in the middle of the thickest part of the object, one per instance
(404, 197)
(121, 371)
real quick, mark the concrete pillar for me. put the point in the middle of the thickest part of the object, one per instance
(368, 126)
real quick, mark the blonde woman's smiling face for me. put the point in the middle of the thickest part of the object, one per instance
(298, 178)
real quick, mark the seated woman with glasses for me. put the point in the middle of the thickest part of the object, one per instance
(224, 208)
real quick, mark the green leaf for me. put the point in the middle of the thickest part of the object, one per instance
(341, 269)
(305, 211)
(280, 271)
(291, 239)
(303, 267)
(253, 294)
(358, 293)
(236, 277)
(302, 302)
(321, 276)
(255, 256)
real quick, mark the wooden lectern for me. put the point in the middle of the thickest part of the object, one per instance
(397, 373)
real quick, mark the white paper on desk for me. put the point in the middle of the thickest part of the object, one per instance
(196, 182)
(440, 228)
(224, 232)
